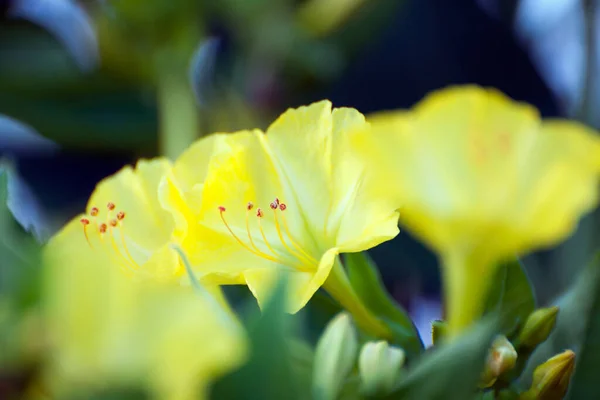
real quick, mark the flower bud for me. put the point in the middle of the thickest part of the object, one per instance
(334, 357)
(551, 379)
(439, 330)
(379, 367)
(538, 327)
(501, 358)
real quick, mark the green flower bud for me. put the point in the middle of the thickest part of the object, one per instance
(379, 367)
(538, 327)
(501, 358)
(551, 379)
(439, 330)
(334, 357)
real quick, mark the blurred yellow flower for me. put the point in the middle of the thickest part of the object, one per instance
(479, 178)
(126, 223)
(282, 203)
(107, 330)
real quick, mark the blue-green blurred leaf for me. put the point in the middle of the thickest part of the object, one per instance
(366, 281)
(511, 295)
(272, 371)
(451, 371)
(575, 309)
(585, 382)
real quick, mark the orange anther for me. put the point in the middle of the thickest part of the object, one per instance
(282, 207)
(222, 209)
(120, 215)
(110, 206)
(274, 205)
(113, 222)
(85, 221)
(102, 228)
(250, 206)
(259, 213)
(94, 211)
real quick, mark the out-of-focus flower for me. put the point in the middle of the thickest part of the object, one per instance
(379, 365)
(538, 327)
(501, 358)
(551, 379)
(480, 178)
(287, 203)
(334, 357)
(107, 330)
(126, 224)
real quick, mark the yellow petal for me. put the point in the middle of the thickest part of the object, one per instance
(106, 329)
(135, 192)
(301, 140)
(360, 214)
(301, 286)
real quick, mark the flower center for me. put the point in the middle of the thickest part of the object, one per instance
(282, 250)
(108, 227)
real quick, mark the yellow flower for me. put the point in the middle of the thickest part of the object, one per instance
(108, 330)
(282, 203)
(479, 178)
(126, 223)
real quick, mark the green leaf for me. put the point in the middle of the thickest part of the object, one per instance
(272, 371)
(19, 254)
(585, 382)
(451, 371)
(366, 281)
(575, 310)
(511, 295)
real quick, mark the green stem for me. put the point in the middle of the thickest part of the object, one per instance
(466, 284)
(339, 287)
(178, 114)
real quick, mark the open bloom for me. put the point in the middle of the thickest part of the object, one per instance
(108, 330)
(283, 203)
(480, 178)
(126, 223)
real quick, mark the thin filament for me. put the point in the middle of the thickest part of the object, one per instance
(296, 245)
(87, 239)
(125, 246)
(278, 228)
(258, 251)
(251, 250)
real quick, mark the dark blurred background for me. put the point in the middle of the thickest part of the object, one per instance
(89, 86)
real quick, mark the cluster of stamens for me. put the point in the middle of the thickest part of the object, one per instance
(302, 258)
(108, 226)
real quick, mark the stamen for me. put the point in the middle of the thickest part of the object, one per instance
(110, 206)
(94, 211)
(85, 222)
(283, 207)
(261, 253)
(113, 223)
(278, 229)
(119, 221)
(102, 229)
(250, 206)
(260, 215)
(221, 212)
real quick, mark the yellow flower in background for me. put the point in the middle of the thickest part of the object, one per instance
(283, 203)
(479, 178)
(107, 330)
(126, 223)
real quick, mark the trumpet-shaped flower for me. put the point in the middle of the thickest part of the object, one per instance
(126, 223)
(108, 330)
(480, 178)
(283, 203)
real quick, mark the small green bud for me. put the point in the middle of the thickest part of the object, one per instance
(334, 357)
(502, 357)
(439, 330)
(538, 327)
(379, 367)
(551, 379)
